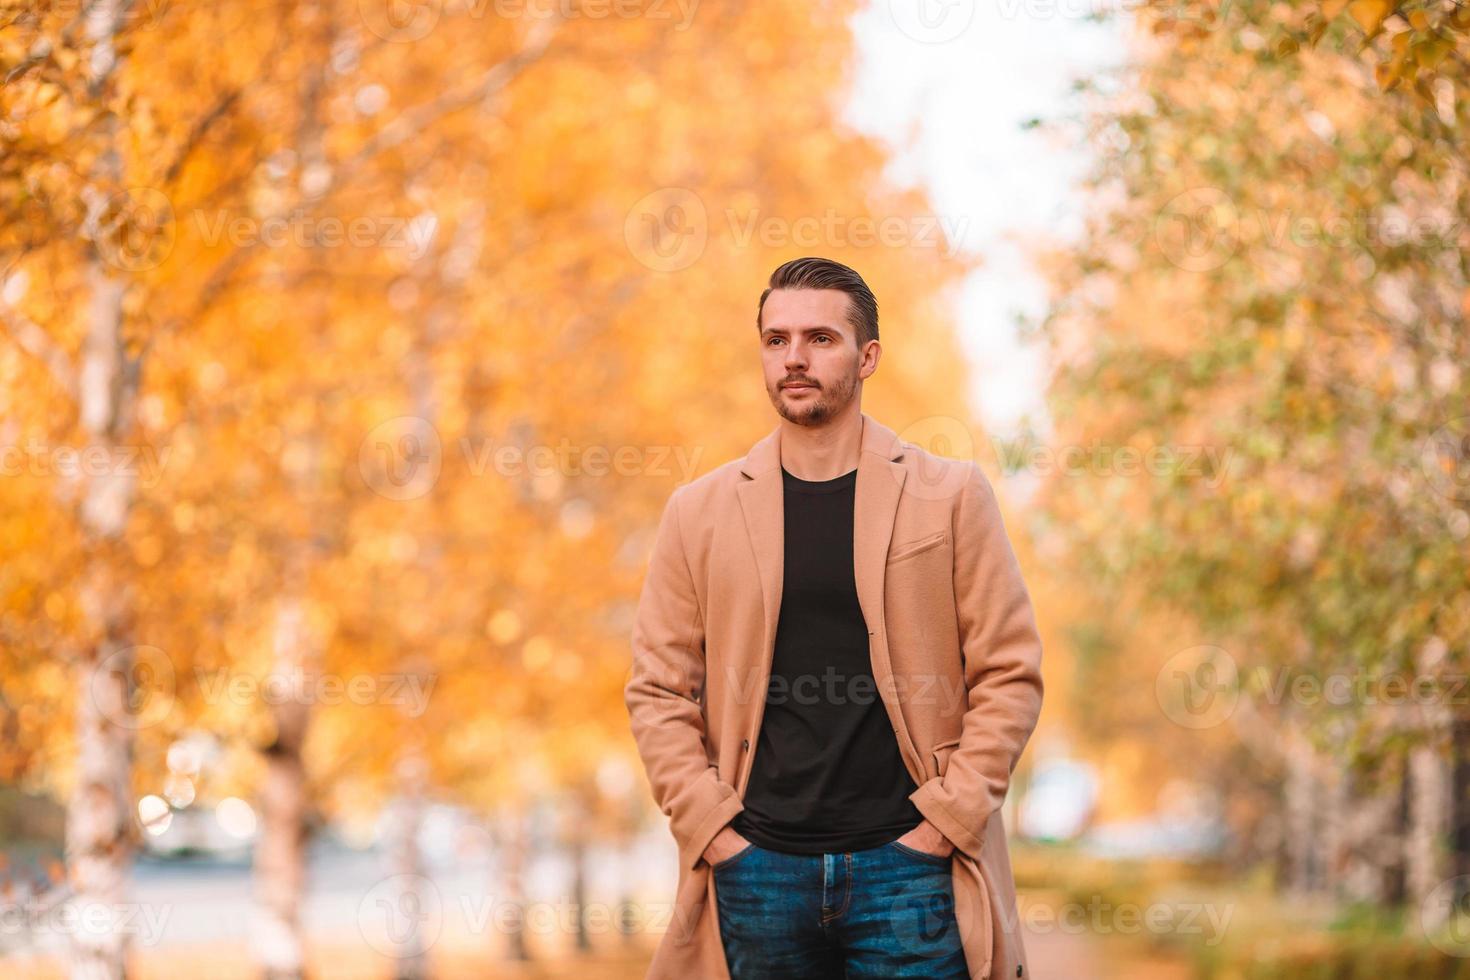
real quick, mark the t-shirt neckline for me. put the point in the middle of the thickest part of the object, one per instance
(837, 483)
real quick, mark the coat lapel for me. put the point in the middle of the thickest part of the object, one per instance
(879, 485)
(761, 500)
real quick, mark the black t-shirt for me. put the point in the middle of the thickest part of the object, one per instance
(827, 776)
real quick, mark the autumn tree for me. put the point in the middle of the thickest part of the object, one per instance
(1272, 284)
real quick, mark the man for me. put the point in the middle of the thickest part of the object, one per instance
(835, 670)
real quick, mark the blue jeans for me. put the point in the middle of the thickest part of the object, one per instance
(887, 911)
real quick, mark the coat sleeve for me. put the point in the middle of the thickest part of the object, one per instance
(663, 697)
(1001, 649)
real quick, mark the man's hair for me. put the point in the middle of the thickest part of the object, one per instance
(817, 273)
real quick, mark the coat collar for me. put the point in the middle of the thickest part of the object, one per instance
(879, 485)
(876, 438)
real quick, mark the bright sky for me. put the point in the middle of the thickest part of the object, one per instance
(948, 83)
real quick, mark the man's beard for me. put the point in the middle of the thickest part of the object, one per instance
(820, 406)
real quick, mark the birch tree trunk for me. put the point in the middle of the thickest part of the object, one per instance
(514, 854)
(280, 870)
(1426, 857)
(1371, 842)
(578, 819)
(406, 863)
(100, 836)
(1305, 816)
(280, 854)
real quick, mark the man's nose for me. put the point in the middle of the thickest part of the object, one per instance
(795, 356)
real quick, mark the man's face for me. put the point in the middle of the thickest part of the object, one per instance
(810, 356)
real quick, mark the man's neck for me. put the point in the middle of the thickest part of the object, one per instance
(822, 452)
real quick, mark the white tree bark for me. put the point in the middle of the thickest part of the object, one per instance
(514, 855)
(411, 885)
(280, 852)
(1306, 816)
(100, 835)
(1426, 846)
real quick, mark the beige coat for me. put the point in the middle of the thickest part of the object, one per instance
(955, 653)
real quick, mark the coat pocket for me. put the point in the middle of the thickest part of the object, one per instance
(910, 548)
(942, 753)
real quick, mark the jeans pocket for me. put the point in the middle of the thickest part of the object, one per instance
(722, 865)
(921, 855)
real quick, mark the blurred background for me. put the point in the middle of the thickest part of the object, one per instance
(349, 350)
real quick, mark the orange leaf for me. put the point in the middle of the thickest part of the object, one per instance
(1370, 14)
(1431, 51)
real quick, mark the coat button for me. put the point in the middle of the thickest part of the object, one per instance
(745, 743)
